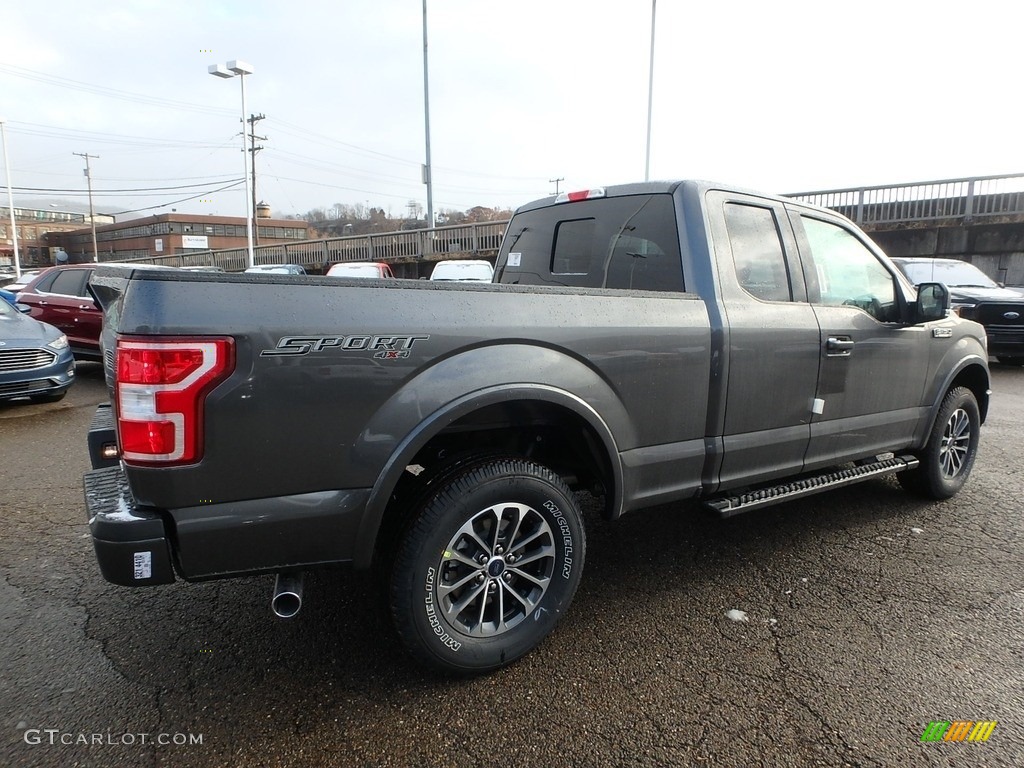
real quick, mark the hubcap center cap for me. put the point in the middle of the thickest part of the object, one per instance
(495, 567)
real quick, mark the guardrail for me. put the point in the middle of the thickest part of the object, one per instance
(962, 200)
(958, 199)
(392, 247)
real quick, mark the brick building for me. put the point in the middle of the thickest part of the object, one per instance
(169, 234)
(39, 231)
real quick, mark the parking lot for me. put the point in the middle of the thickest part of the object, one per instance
(869, 614)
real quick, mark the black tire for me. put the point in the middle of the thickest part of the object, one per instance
(948, 456)
(1011, 360)
(488, 566)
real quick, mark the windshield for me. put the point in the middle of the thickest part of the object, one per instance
(953, 273)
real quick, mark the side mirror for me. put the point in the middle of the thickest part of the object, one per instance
(23, 308)
(932, 303)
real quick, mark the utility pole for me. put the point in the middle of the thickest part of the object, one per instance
(555, 182)
(428, 171)
(253, 119)
(92, 214)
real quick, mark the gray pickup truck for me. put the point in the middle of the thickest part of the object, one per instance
(647, 343)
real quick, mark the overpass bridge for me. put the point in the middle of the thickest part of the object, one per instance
(978, 219)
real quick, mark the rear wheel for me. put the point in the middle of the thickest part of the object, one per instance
(948, 456)
(488, 567)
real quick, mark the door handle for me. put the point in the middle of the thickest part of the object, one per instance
(839, 346)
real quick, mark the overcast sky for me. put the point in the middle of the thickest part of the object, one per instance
(783, 96)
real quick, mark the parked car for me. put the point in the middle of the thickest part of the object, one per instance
(21, 282)
(35, 358)
(361, 269)
(278, 269)
(976, 296)
(203, 268)
(463, 271)
(7, 296)
(59, 296)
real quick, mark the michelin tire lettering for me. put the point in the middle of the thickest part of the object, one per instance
(435, 623)
(563, 526)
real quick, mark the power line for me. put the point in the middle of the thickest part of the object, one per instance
(112, 191)
(56, 132)
(175, 202)
(112, 93)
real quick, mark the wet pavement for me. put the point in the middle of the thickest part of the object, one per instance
(829, 631)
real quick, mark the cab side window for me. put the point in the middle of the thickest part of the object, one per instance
(757, 252)
(848, 272)
(70, 282)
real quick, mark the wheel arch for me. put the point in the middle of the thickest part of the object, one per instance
(542, 423)
(973, 375)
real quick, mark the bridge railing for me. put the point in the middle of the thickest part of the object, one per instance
(960, 199)
(474, 239)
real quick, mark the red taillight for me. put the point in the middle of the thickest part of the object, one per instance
(160, 391)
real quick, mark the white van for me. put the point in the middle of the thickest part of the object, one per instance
(463, 271)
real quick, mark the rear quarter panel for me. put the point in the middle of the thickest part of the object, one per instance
(297, 423)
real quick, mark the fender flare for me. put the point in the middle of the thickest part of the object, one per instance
(933, 411)
(452, 411)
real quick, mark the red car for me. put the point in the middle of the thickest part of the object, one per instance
(59, 296)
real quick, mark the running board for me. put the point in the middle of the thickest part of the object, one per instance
(727, 506)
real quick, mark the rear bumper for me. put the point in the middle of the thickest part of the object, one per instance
(131, 543)
(139, 545)
(102, 435)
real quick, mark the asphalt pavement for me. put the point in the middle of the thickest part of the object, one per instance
(830, 631)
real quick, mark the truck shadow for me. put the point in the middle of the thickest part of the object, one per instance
(216, 645)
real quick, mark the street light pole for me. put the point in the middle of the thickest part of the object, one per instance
(650, 98)
(229, 70)
(10, 199)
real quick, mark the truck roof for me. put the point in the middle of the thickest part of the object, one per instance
(658, 187)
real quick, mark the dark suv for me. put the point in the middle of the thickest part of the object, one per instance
(977, 297)
(59, 296)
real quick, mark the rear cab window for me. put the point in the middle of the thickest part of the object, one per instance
(628, 242)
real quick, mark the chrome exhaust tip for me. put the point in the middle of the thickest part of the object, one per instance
(287, 598)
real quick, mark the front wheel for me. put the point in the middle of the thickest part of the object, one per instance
(948, 455)
(488, 567)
